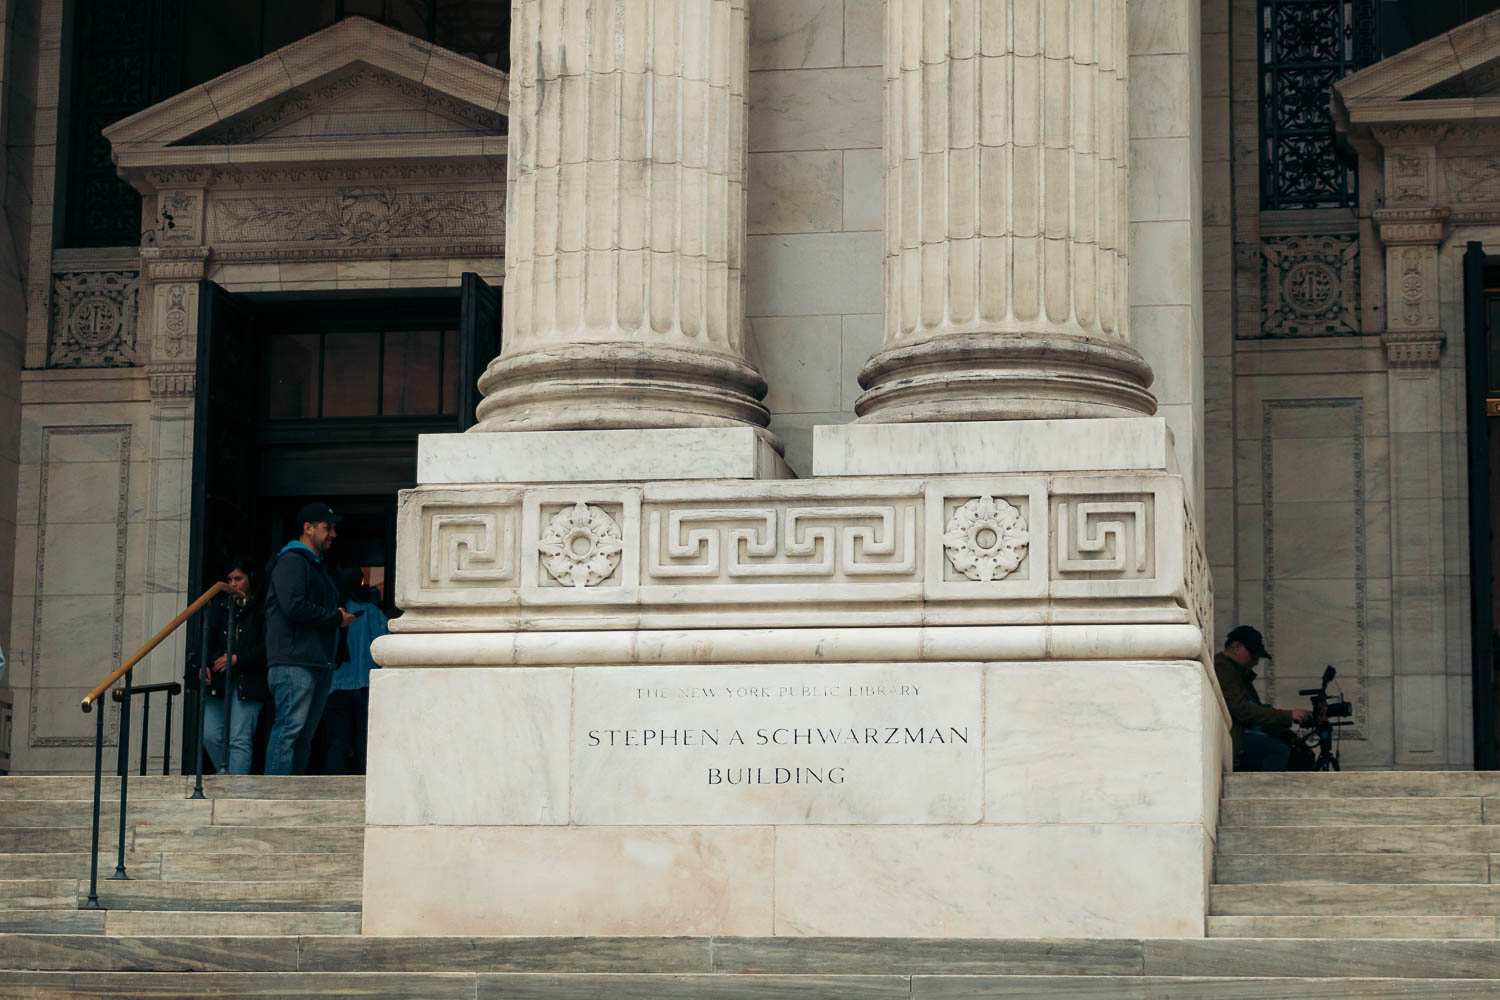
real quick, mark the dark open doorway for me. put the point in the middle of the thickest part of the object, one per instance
(323, 398)
(1482, 363)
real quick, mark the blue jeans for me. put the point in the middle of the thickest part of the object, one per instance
(242, 719)
(300, 694)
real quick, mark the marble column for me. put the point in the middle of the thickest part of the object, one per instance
(1006, 225)
(626, 220)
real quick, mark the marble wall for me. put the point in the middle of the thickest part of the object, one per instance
(813, 270)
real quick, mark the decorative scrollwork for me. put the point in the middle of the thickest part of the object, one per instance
(1311, 286)
(986, 539)
(93, 320)
(1105, 536)
(581, 546)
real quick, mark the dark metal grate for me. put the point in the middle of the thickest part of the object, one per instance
(1305, 47)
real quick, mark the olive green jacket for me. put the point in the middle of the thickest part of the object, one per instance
(1236, 682)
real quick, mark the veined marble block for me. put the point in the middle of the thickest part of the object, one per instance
(917, 799)
(598, 456)
(964, 705)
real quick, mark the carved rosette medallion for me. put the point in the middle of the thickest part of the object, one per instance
(986, 539)
(1311, 286)
(93, 320)
(581, 546)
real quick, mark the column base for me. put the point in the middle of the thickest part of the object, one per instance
(1004, 376)
(619, 386)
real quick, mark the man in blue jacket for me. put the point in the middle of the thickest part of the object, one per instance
(303, 618)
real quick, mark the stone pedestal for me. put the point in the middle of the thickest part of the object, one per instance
(950, 706)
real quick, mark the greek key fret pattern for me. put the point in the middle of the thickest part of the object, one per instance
(750, 543)
(472, 547)
(1103, 537)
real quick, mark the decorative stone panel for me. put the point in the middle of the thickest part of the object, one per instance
(1311, 286)
(94, 319)
(987, 550)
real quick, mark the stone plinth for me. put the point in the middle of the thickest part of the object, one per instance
(599, 456)
(955, 706)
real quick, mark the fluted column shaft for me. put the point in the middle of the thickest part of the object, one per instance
(626, 219)
(1006, 228)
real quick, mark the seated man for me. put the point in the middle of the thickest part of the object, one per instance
(1256, 726)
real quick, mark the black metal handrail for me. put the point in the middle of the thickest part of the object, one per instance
(123, 695)
(172, 688)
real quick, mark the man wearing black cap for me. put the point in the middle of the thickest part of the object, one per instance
(303, 618)
(1256, 746)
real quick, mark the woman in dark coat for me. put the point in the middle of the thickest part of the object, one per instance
(251, 690)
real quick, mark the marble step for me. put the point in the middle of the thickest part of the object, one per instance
(1398, 959)
(78, 786)
(34, 813)
(245, 923)
(53, 840)
(1352, 868)
(1305, 899)
(544, 986)
(79, 813)
(189, 866)
(68, 921)
(169, 839)
(1412, 811)
(1364, 784)
(240, 867)
(76, 865)
(1353, 927)
(1359, 839)
(342, 894)
(40, 893)
(156, 786)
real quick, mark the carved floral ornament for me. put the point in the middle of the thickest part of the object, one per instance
(581, 546)
(986, 539)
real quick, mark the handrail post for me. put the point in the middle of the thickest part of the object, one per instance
(124, 775)
(166, 740)
(229, 679)
(93, 900)
(145, 728)
(202, 706)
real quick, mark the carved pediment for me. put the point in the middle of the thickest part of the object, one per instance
(357, 102)
(354, 82)
(1464, 62)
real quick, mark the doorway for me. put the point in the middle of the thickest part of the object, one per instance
(323, 398)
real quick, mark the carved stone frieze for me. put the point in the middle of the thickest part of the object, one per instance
(1408, 225)
(1472, 179)
(358, 216)
(990, 550)
(93, 319)
(1311, 286)
(179, 218)
(1411, 287)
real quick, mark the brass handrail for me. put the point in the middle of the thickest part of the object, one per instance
(157, 640)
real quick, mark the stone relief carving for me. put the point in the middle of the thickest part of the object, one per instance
(581, 546)
(745, 543)
(1409, 180)
(1472, 179)
(93, 319)
(1311, 286)
(1197, 574)
(174, 321)
(356, 216)
(179, 218)
(1103, 536)
(472, 547)
(986, 539)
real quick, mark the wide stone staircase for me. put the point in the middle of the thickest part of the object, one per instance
(1367, 886)
(257, 856)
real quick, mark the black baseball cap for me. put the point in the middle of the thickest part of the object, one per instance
(317, 512)
(1251, 639)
